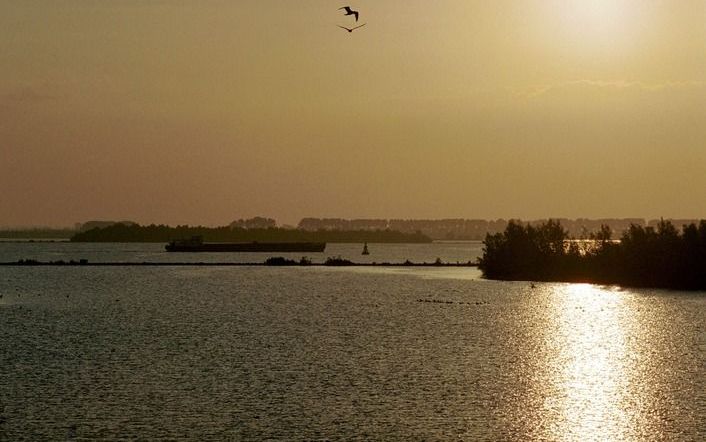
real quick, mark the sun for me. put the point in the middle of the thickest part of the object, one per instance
(597, 14)
(593, 25)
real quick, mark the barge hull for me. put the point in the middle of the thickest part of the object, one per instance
(253, 247)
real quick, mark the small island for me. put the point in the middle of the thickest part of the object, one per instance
(661, 257)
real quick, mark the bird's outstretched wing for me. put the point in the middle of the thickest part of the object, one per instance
(349, 11)
(351, 29)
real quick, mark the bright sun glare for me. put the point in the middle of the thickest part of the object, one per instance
(594, 24)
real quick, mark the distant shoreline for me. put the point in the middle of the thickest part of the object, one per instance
(33, 240)
(224, 234)
(345, 263)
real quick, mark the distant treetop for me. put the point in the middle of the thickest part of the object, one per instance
(88, 225)
(257, 222)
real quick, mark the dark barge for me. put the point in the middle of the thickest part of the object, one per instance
(196, 244)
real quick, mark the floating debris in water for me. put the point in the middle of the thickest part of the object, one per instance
(443, 301)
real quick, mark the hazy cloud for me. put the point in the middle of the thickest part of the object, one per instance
(616, 85)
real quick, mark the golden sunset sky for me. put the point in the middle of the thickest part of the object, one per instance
(186, 111)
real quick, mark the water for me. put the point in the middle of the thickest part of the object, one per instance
(257, 353)
(152, 252)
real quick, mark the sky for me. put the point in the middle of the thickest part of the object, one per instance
(206, 111)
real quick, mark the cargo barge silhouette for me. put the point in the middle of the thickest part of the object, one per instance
(196, 244)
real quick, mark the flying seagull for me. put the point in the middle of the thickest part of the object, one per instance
(351, 29)
(349, 11)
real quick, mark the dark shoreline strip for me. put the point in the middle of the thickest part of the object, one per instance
(224, 264)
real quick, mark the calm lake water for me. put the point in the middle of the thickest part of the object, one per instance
(136, 252)
(255, 353)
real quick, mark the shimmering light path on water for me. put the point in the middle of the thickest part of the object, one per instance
(592, 363)
(315, 353)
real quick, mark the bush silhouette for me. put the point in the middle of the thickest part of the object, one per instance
(644, 257)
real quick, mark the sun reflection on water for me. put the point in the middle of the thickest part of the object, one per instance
(590, 365)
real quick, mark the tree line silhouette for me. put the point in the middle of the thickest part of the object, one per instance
(164, 233)
(660, 257)
(37, 233)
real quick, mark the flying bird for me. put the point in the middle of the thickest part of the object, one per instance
(349, 11)
(351, 29)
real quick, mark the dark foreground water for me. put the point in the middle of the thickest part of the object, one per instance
(318, 353)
